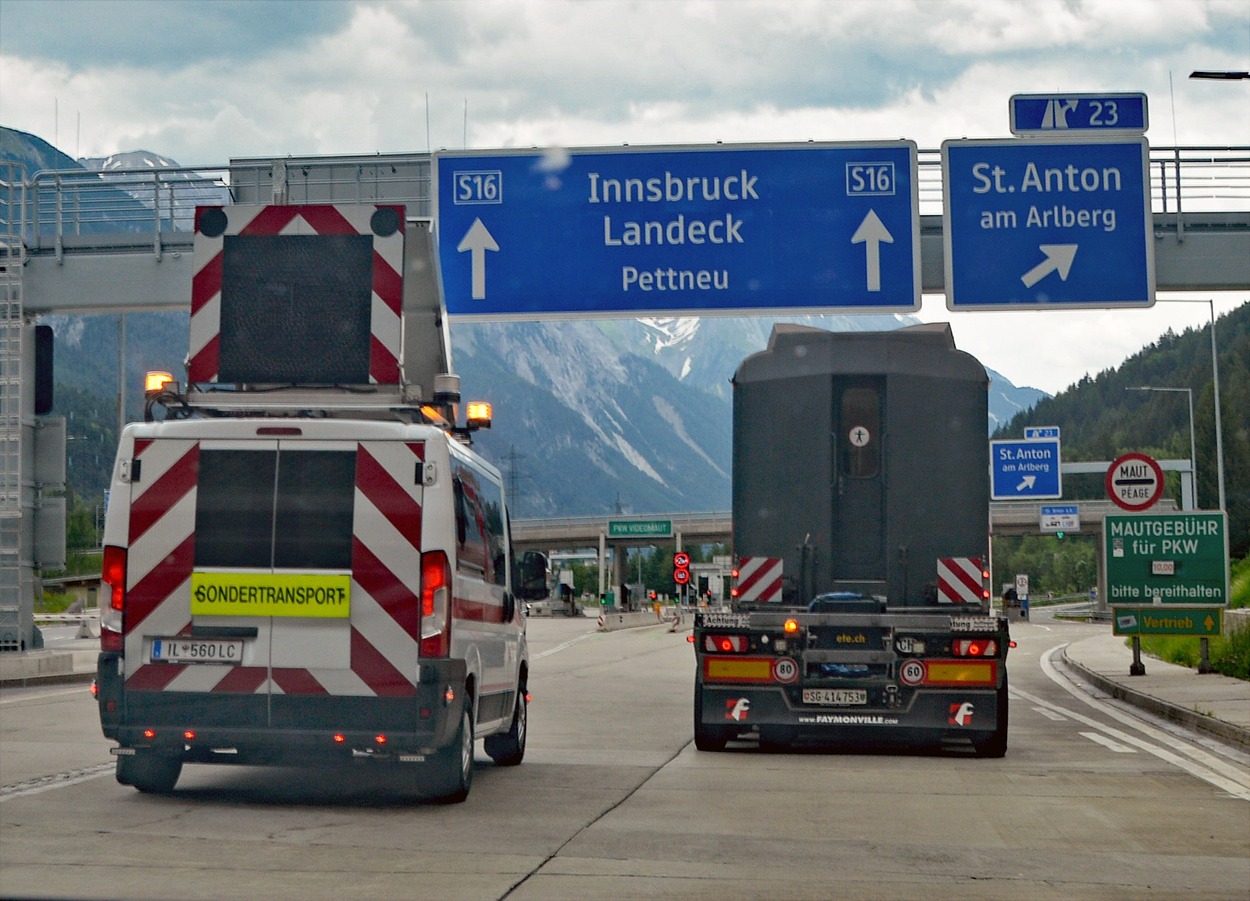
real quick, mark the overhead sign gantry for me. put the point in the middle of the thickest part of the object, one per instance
(733, 229)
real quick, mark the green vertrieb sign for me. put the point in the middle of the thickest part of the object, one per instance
(1202, 621)
(640, 528)
(1168, 558)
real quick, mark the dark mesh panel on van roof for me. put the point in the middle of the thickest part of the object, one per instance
(296, 309)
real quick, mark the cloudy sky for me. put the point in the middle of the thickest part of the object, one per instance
(202, 81)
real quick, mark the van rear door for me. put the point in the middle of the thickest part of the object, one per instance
(267, 576)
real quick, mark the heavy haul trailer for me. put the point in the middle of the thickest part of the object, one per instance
(304, 561)
(862, 611)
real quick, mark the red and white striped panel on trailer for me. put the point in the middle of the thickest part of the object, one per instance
(298, 219)
(377, 646)
(759, 579)
(959, 580)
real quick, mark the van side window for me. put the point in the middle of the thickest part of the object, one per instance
(267, 509)
(469, 528)
(480, 523)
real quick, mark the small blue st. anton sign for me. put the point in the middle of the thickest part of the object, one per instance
(731, 229)
(1056, 223)
(1058, 113)
(1025, 470)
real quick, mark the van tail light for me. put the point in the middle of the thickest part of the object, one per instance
(435, 605)
(113, 577)
(975, 647)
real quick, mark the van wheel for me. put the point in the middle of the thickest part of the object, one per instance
(452, 768)
(149, 772)
(509, 749)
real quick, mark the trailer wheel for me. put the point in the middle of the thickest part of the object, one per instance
(995, 745)
(150, 773)
(509, 749)
(707, 738)
(452, 775)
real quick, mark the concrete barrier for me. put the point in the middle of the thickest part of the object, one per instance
(1236, 621)
(612, 622)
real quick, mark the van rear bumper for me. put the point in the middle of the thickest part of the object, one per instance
(278, 728)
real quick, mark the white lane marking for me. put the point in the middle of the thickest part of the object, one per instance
(1049, 714)
(60, 780)
(561, 647)
(81, 689)
(1220, 773)
(1108, 743)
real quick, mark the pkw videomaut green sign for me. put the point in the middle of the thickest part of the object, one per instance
(640, 528)
(1161, 559)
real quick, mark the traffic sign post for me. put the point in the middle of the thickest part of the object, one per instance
(1025, 470)
(1051, 223)
(679, 230)
(1051, 114)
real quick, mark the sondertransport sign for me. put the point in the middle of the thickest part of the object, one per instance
(735, 229)
(1048, 222)
(1166, 558)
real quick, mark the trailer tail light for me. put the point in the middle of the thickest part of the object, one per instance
(975, 647)
(435, 604)
(113, 576)
(726, 644)
(791, 627)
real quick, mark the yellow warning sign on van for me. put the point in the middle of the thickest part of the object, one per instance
(325, 595)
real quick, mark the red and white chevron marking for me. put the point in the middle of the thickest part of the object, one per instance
(297, 219)
(377, 647)
(759, 579)
(959, 580)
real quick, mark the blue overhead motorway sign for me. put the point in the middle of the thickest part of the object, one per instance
(1025, 470)
(731, 229)
(1057, 113)
(1048, 222)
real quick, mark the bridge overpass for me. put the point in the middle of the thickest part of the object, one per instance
(86, 245)
(79, 242)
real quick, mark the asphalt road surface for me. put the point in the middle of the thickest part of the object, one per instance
(614, 802)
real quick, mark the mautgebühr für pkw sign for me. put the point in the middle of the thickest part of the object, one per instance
(730, 229)
(1173, 558)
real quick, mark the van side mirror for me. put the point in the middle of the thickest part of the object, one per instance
(529, 577)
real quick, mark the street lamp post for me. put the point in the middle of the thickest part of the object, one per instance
(1193, 456)
(1204, 661)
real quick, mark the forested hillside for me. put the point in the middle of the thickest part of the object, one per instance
(1101, 417)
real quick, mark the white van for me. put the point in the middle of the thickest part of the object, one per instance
(304, 590)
